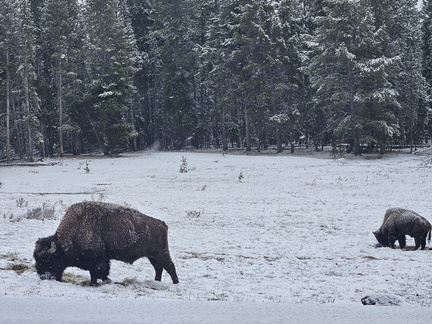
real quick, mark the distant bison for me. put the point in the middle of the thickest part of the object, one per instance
(92, 233)
(399, 222)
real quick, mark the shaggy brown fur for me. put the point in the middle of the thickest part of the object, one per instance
(92, 233)
(399, 222)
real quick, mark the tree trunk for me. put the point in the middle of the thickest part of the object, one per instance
(134, 138)
(356, 140)
(60, 104)
(292, 144)
(8, 151)
(247, 126)
(353, 111)
(224, 132)
(27, 110)
(279, 141)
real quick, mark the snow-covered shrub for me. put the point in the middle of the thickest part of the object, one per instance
(193, 213)
(87, 169)
(100, 198)
(240, 177)
(184, 165)
(21, 202)
(39, 213)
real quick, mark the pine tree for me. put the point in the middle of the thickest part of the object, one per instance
(219, 79)
(313, 121)
(26, 70)
(8, 29)
(203, 15)
(350, 75)
(401, 22)
(427, 40)
(427, 49)
(286, 80)
(111, 64)
(246, 61)
(173, 63)
(60, 47)
(410, 83)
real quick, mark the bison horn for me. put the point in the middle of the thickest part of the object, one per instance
(53, 248)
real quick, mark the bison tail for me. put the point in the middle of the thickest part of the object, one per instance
(429, 237)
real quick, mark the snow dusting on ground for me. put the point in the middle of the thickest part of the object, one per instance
(255, 239)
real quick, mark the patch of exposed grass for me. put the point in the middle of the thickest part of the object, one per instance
(19, 268)
(18, 264)
(370, 257)
(74, 278)
(201, 256)
(127, 282)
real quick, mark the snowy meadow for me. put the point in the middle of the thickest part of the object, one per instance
(286, 232)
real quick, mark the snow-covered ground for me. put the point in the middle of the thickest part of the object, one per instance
(255, 239)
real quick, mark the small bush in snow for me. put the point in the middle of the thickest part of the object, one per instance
(87, 169)
(240, 177)
(39, 213)
(100, 198)
(21, 202)
(193, 213)
(184, 165)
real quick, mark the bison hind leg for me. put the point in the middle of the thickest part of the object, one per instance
(402, 241)
(164, 262)
(158, 269)
(170, 268)
(421, 241)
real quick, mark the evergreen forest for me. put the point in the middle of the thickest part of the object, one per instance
(112, 76)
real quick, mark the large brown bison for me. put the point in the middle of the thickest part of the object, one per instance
(399, 222)
(92, 233)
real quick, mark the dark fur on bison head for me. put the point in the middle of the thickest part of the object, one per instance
(381, 238)
(49, 258)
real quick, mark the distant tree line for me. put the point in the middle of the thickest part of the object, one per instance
(123, 75)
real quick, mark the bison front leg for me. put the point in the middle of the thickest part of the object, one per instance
(100, 270)
(59, 276)
(392, 239)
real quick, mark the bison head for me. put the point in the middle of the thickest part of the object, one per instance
(381, 238)
(48, 254)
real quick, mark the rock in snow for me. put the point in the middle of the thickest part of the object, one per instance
(382, 300)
